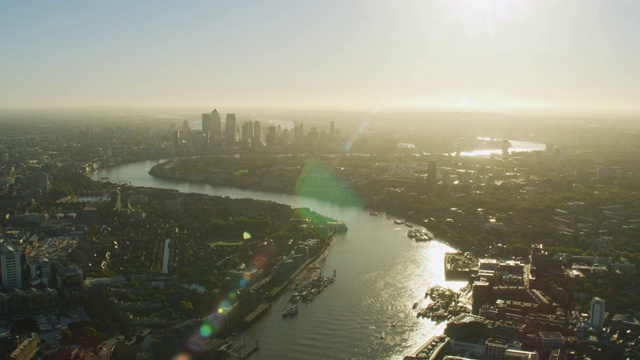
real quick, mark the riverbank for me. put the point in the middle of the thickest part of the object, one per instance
(305, 270)
(373, 291)
(417, 219)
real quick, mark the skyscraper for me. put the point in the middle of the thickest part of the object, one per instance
(206, 123)
(596, 314)
(11, 268)
(271, 136)
(230, 129)
(216, 125)
(298, 133)
(257, 131)
(186, 130)
(332, 128)
(246, 132)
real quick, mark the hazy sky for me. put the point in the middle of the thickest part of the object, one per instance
(321, 54)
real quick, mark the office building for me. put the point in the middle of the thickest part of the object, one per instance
(549, 341)
(216, 125)
(230, 129)
(206, 123)
(257, 129)
(332, 128)
(298, 133)
(246, 132)
(271, 136)
(286, 137)
(186, 130)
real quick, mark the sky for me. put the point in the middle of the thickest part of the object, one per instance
(326, 54)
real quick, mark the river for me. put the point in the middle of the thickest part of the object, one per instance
(380, 274)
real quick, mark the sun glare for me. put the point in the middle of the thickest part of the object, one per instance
(483, 13)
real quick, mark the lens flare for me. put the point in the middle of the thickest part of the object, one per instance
(205, 330)
(259, 261)
(246, 235)
(318, 182)
(182, 356)
(355, 136)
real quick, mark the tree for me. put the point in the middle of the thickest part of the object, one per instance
(186, 305)
(66, 334)
(89, 331)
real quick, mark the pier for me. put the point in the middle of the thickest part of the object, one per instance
(237, 351)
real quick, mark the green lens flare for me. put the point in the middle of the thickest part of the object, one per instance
(316, 181)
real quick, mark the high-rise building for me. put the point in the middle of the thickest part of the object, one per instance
(206, 123)
(271, 136)
(216, 125)
(313, 136)
(230, 129)
(332, 128)
(176, 140)
(505, 145)
(257, 131)
(186, 130)
(11, 268)
(246, 132)
(298, 133)
(596, 314)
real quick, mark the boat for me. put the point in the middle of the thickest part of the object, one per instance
(373, 213)
(398, 221)
(290, 312)
(408, 225)
(419, 234)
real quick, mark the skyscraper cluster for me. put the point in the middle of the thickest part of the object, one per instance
(254, 134)
(211, 124)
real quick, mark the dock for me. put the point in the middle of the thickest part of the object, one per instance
(237, 351)
(259, 311)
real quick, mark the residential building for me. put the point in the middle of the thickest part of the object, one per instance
(596, 314)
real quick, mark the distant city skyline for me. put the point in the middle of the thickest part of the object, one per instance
(347, 55)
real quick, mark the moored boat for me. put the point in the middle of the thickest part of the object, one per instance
(291, 311)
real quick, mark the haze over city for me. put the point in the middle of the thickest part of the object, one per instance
(576, 56)
(297, 179)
